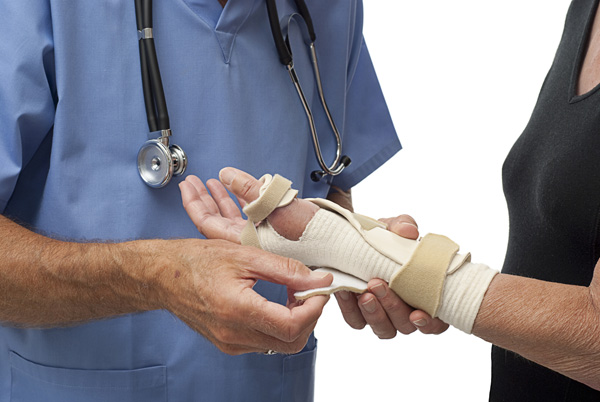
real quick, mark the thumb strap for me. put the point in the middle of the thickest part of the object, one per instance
(276, 192)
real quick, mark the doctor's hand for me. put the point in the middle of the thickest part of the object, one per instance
(208, 285)
(380, 307)
(217, 216)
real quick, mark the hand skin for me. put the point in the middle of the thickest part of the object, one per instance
(381, 308)
(217, 216)
(552, 324)
(206, 283)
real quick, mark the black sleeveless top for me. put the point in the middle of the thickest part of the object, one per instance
(552, 186)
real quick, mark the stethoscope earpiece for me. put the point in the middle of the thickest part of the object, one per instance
(317, 175)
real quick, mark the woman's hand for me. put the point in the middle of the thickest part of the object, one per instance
(216, 216)
(380, 307)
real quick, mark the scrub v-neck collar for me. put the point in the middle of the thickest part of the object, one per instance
(224, 21)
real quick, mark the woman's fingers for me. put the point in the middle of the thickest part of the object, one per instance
(215, 216)
(197, 201)
(227, 206)
(403, 225)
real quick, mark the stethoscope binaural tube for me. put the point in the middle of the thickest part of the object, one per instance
(285, 57)
(157, 160)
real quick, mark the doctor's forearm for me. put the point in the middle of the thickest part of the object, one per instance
(205, 283)
(45, 282)
(555, 325)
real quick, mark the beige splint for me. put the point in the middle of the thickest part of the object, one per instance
(356, 249)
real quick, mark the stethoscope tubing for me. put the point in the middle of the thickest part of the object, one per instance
(154, 94)
(156, 105)
(158, 160)
(285, 57)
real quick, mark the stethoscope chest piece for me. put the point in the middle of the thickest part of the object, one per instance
(158, 163)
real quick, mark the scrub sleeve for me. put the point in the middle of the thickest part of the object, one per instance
(27, 90)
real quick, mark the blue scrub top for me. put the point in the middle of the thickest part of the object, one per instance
(72, 120)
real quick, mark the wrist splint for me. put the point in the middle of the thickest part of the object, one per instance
(428, 274)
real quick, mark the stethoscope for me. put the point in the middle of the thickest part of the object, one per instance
(158, 161)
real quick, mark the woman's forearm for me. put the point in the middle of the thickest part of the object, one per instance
(555, 325)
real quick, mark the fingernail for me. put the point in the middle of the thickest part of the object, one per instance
(420, 323)
(369, 306)
(226, 175)
(344, 295)
(378, 290)
(319, 274)
(410, 224)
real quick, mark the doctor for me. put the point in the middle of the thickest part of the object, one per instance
(95, 305)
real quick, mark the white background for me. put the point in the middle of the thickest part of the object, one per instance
(461, 79)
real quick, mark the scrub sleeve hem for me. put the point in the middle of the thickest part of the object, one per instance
(351, 180)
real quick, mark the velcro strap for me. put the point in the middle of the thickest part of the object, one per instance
(421, 280)
(273, 194)
(249, 236)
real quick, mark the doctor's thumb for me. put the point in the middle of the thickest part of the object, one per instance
(298, 277)
(287, 271)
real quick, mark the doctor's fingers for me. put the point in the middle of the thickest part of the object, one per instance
(225, 203)
(236, 338)
(274, 319)
(236, 341)
(242, 321)
(289, 326)
(273, 268)
(232, 349)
